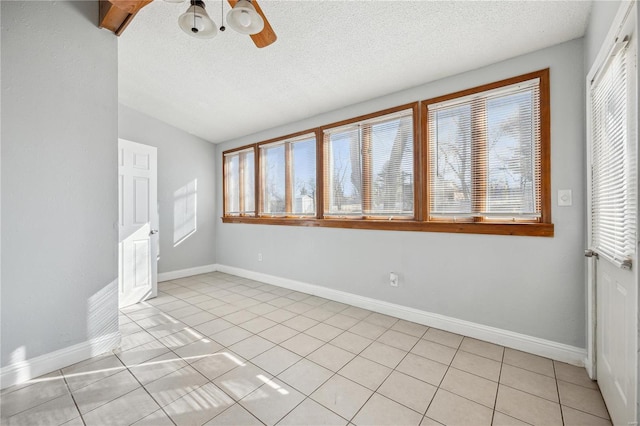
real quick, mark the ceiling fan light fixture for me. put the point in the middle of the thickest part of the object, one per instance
(196, 22)
(244, 19)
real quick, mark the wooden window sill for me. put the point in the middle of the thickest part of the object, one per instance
(522, 229)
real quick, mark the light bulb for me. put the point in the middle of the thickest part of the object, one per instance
(196, 22)
(244, 19)
(197, 25)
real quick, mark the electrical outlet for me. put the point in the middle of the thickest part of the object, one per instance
(259, 257)
(393, 279)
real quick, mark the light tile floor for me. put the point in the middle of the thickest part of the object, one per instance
(217, 349)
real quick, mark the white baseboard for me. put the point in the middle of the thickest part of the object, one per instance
(26, 370)
(546, 348)
(183, 273)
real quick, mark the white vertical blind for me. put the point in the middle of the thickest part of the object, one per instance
(484, 154)
(239, 169)
(300, 185)
(343, 171)
(232, 183)
(613, 196)
(248, 171)
(272, 162)
(391, 167)
(369, 167)
(303, 176)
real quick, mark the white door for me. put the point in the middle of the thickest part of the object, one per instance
(613, 213)
(138, 222)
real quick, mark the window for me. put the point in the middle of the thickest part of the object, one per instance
(479, 162)
(485, 153)
(613, 176)
(239, 181)
(368, 167)
(288, 177)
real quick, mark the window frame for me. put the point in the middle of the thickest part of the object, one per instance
(287, 141)
(225, 196)
(366, 163)
(420, 221)
(545, 150)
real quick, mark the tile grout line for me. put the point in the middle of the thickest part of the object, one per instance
(441, 380)
(73, 398)
(528, 393)
(248, 360)
(231, 313)
(124, 367)
(187, 365)
(387, 328)
(334, 313)
(72, 394)
(108, 402)
(495, 400)
(231, 406)
(409, 352)
(325, 342)
(34, 406)
(555, 376)
(162, 407)
(392, 370)
(145, 389)
(169, 350)
(333, 373)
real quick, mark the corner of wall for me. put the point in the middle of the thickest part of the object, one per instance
(59, 187)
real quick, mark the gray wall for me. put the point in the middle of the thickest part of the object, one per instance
(602, 14)
(182, 158)
(59, 192)
(529, 285)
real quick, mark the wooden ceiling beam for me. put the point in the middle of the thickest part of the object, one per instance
(115, 15)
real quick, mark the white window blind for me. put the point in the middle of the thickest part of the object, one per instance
(289, 177)
(369, 167)
(303, 176)
(484, 154)
(272, 161)
(239, 167)
(613, 197)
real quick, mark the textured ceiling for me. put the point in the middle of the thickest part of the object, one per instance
(329, 54)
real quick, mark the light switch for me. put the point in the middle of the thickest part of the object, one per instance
(564, 197)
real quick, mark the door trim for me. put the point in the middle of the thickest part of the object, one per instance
(605, 49)
(154, 222)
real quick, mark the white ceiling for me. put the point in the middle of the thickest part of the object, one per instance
(329, 54)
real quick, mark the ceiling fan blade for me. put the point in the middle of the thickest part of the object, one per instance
(265, 37)
(115, 15)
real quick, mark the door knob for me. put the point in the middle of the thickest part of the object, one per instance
(153, 231)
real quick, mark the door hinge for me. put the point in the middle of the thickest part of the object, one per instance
(590, 253)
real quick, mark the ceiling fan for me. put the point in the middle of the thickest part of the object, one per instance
(246, 17)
